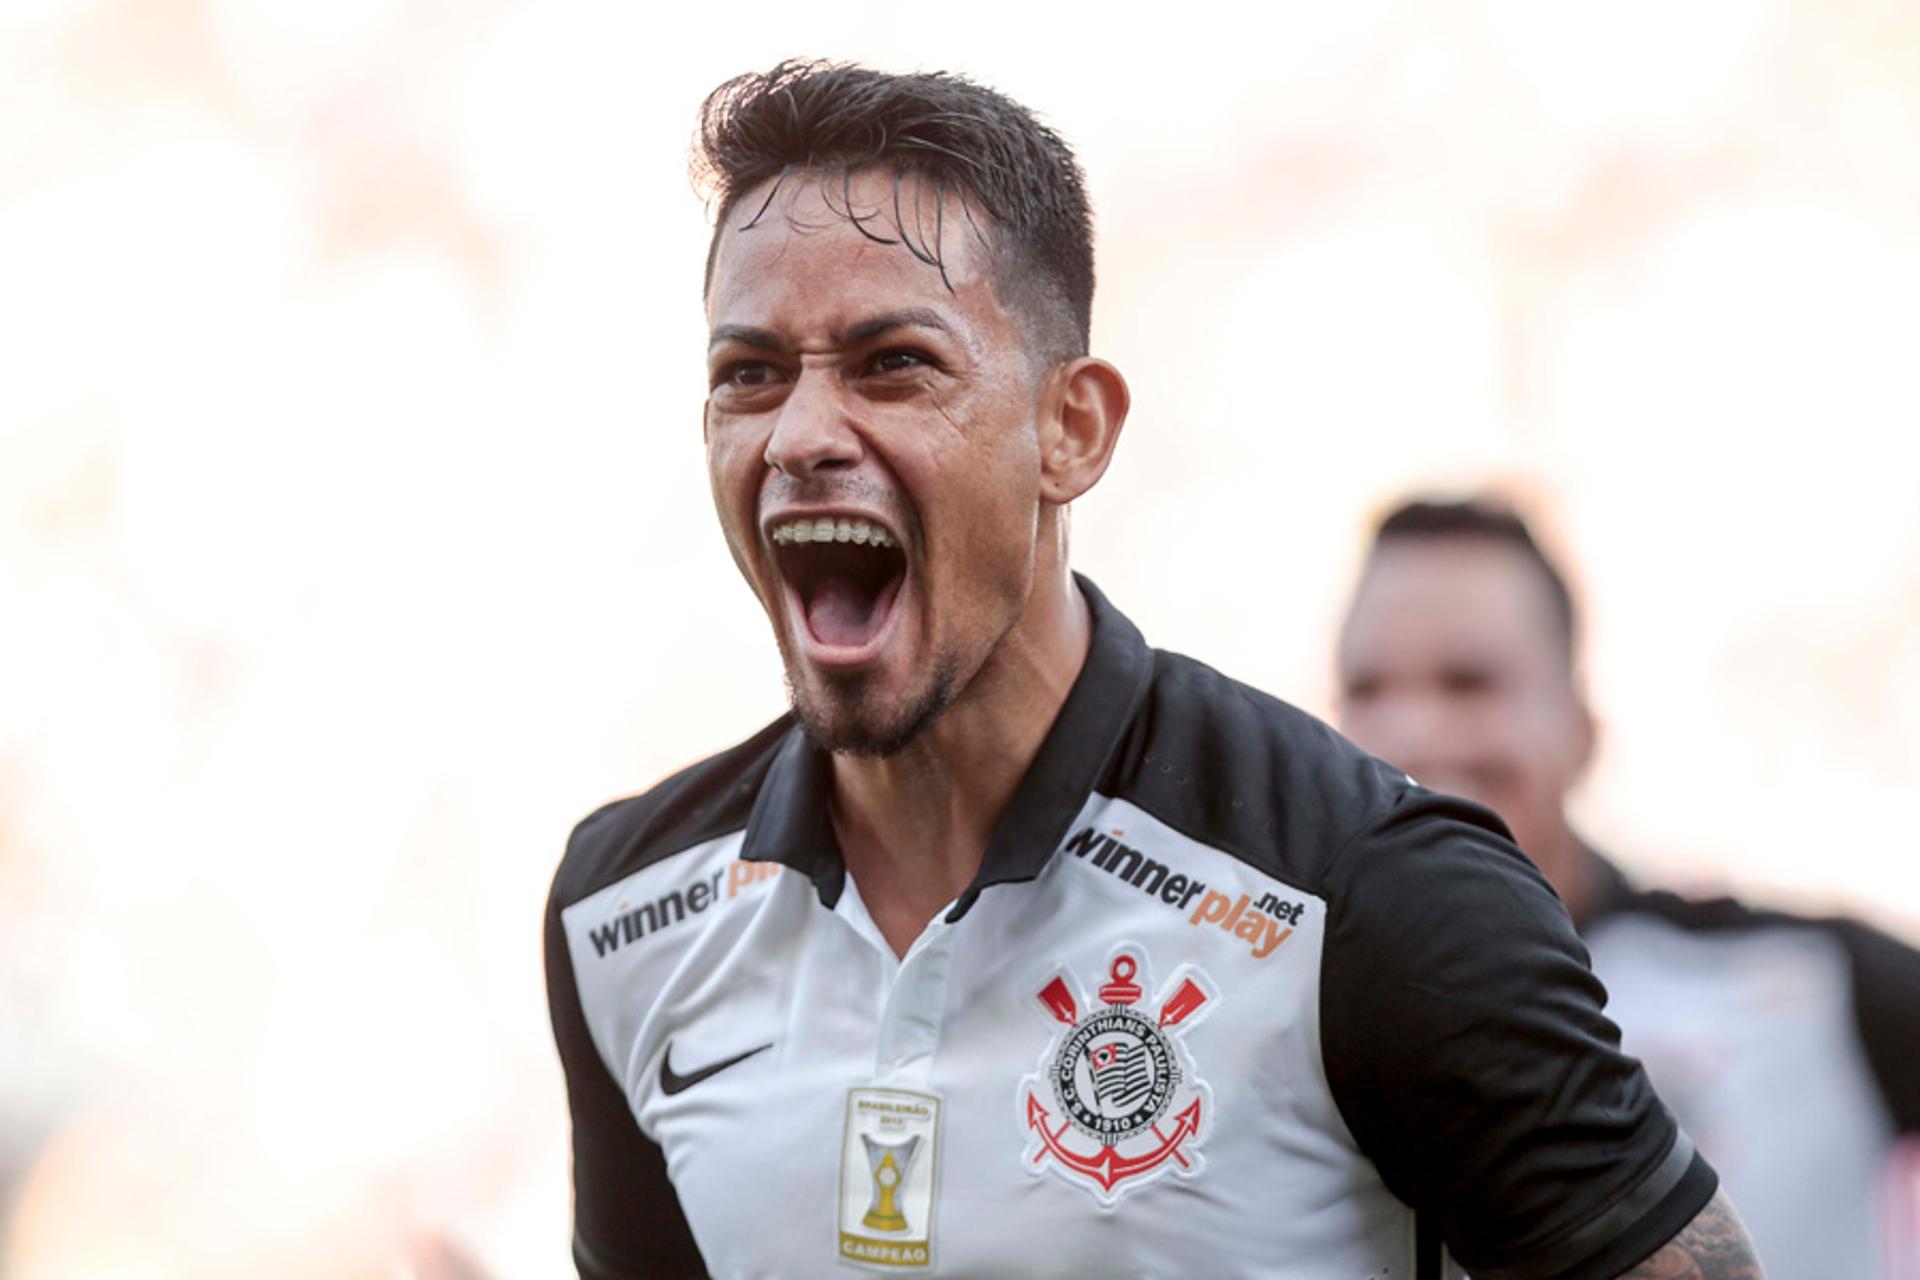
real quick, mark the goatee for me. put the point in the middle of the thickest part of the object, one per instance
(848, 720)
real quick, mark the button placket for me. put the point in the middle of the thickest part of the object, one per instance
(915, 1005)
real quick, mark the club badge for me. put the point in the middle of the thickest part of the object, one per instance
(887, 1170)
(1115, 1103)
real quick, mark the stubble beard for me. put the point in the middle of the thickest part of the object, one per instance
(848, 718)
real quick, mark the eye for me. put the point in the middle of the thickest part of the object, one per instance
(1467, 681)
(897, 360)
(745, 374)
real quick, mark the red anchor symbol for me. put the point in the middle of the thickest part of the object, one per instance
(1108, 1166)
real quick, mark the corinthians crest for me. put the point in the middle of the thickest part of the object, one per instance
(1115, 1103)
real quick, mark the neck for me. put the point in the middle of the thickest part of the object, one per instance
(1563, 859)
(914, 826)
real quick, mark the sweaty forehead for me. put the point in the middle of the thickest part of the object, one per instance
(799, 253)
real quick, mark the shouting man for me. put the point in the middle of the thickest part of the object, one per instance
(1019, 947)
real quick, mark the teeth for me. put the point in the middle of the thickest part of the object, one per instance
(826, 529)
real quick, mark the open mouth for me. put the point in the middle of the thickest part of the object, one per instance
(844, 574)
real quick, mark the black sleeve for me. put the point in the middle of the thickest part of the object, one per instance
(1886, 1008)
(1465, 1044)
(627, 1221)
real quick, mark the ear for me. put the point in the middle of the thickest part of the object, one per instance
(1082, 410)
(1586, 739)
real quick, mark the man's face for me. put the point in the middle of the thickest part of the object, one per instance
(871, 445)
(1453, 668)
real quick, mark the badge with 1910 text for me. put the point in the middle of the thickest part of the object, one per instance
(1115, 1103)
(887, 1167)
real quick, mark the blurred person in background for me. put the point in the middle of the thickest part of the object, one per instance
(1789, 1048)
(1020, 948)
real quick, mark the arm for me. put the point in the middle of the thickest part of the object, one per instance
(1714, 1246)
(1886, 1009)
(1466, 1047)
(627, 1219)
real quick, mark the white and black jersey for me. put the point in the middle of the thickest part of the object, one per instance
(1788, 1047)
(1228, 997)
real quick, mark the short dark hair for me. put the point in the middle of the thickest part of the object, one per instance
(832, 119)
(1486, 519)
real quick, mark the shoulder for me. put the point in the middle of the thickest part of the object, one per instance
(1877, 974)
(696, 805)
(1729, 920)
(1252, 775)
(1717, 915)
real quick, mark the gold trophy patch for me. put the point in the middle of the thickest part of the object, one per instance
(887, 1169)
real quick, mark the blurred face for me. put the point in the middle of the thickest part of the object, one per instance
(872, 449)
(1452, 667)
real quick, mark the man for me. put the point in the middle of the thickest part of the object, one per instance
(1787, 1047)
(1019, 948)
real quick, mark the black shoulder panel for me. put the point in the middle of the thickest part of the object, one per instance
(1886, 1008)
(1704, 915)
(700, 802)
(1246, 773)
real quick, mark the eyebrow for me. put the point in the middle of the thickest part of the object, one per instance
(852, 335)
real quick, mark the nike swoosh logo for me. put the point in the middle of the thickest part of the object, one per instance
(672, 1082)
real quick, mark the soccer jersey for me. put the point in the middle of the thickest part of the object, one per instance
(1228, 997)
(1790, 1049)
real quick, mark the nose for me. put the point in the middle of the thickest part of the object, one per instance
(812, 432)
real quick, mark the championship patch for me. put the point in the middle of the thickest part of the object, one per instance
(1115, 1103)
(887, 1166)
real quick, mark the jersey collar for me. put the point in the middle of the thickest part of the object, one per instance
(790, 822)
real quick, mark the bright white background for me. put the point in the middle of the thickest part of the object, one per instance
(354, 536)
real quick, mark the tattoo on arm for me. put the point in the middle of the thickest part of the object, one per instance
(1714, 1246)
